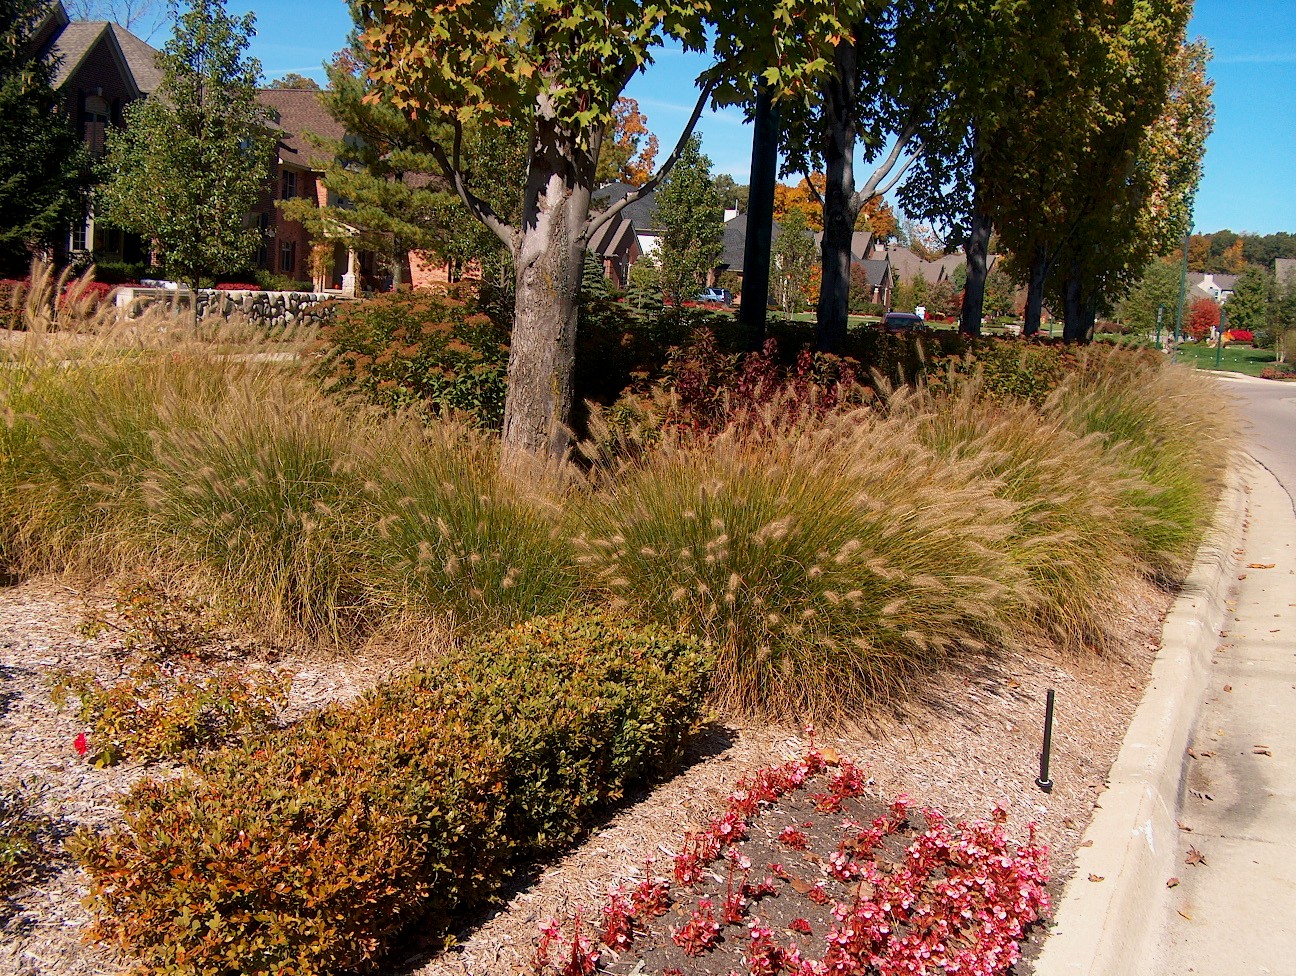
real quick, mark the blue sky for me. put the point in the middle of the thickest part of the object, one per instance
(1250, 174)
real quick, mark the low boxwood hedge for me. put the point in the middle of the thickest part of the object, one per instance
(309, 850)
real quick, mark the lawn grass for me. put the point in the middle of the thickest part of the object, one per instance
(1235, 359)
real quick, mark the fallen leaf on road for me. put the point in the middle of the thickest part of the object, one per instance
(1186, 915)
(1261, 565)
(1087, 843)
(1191, 753)
(1183, 826)
(1096, 877)
(1207, 755)
(1195, 856)
(1228, 687)
(1172, 882)
(1262, 750)
(1200, 795)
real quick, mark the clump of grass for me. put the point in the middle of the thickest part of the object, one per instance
(260, 488)
(1168, 426)
(1072, 536)
(826, 566)
(457, 535)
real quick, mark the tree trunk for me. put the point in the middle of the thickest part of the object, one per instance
(548, 259)
(1073, 329)
(1035, 292)
(978, 247)
(760, 220)
(833, 310)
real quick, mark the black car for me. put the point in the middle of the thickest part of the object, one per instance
(901, 322)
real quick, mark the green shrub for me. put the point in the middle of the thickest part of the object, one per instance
(311, 850)
(1008, 368)
(418, 349)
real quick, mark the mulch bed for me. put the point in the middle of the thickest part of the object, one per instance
(966, 741)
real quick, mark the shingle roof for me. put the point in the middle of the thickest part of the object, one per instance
(78, 38)
(298, 111)
(642, 213)
(877, 272)
(142, 58)
(613, 238)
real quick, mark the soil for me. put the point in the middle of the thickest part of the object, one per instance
(966, 740)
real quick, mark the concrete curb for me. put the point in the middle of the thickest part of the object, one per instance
(1109, 927)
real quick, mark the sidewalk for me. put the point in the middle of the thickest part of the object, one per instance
(1234, 910)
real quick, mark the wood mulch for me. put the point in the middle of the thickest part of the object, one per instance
(967, 740)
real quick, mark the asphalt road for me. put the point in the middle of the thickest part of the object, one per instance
(1269, 408)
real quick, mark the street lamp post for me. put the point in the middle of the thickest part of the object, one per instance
(1219, 336)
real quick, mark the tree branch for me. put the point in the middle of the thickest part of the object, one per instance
(815, 195)
(611, 212)
(479, 208)
(870, 188)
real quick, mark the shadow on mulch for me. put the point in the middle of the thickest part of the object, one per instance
(711, 740)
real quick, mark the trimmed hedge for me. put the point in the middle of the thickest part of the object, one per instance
(310, 850)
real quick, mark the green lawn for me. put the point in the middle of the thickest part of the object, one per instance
(1237, 359)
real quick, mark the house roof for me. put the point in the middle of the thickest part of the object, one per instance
(298, 111)
(642, 213)
(613, 238)
(74, 42)
(877, 272)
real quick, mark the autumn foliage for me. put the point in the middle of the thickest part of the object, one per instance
(1203, 315)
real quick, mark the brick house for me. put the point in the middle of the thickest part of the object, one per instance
(298, 171)
(101, 68)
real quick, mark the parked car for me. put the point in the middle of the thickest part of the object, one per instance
(722, 296)
(901, 322)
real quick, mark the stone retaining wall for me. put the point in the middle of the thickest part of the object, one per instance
(273, 309)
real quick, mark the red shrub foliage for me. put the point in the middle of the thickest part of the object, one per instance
(1203, 315)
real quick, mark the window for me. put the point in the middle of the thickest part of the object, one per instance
(79, 236)
(288, 257)
(95, 116)
(289, 184)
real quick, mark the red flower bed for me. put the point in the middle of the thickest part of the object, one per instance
(902, 891)
(235, 286)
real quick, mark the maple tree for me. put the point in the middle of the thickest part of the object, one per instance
(562, 66)
(629, 148)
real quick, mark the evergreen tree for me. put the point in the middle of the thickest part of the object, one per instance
(44, 172)
(193, 159)
(691, 215)
(389, 200)
(1249, 307)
